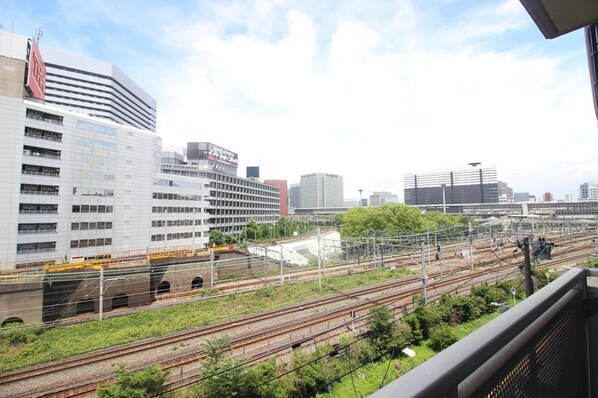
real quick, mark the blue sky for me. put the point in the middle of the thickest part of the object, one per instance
(369, 90)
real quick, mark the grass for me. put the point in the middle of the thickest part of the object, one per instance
(62, 342)
(374, 376)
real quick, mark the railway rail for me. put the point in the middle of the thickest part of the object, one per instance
(291, 329)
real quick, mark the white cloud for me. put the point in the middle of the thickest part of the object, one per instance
(369, 91)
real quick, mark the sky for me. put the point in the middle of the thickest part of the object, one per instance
(370, 90)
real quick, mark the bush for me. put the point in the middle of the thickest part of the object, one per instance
(146, 383)
(442, 337)
(16, 333)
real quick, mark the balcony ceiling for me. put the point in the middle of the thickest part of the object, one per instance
(557, 17)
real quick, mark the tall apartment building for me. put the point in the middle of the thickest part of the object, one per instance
(588, 192)
(284, 195)
(97, 88)
(321, 190)
(471, 185)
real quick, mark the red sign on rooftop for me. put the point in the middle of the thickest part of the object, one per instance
(36, 75)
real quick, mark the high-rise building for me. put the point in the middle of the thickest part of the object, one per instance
(295, 196)
(284, 196)
(77, 185)
(588, 192)
(321, 190)
(97, 88)
(378, 198)
(505, 193)
(547, 197)
(471, 185)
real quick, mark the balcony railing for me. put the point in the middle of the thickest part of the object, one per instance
(547, 346)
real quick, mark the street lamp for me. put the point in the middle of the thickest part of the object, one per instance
(360, 190)
(443, 198)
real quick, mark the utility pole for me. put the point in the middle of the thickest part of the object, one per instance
(529, 285)
(281, 264)
(470, 245)
(101, 310)
(319, 262)
(212, 268)
(424, 277)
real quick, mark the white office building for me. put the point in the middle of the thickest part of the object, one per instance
(588, 192)
(97, 88)
(75, 185)
(321, 190)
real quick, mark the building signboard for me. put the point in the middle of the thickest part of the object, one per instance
(221, 155)
(36, 72)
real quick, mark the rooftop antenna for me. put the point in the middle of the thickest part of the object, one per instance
(39, 33)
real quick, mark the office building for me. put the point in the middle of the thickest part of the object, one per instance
(284, 196)
(520, 197)
(588, 192)
(475, 184)
(76, 185)
(505, 193)
(378, 198)
(232, 201)
(295, 196)
(321, 190)
(97, 88)
(547, 197)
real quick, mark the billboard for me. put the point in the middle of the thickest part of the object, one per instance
(206, 151)
(36, 71)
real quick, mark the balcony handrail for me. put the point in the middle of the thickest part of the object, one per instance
(441, 375)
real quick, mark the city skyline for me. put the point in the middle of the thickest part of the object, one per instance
(371, 92)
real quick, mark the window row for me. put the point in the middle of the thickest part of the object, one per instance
(43, 134)
(175, 196)
(40, 170)
(29, 150)
(83, 191)
(33, 208)
(91, 242)
(174, 209)
(37, 247)
(33, 189)
(41, 115)
(84, 226)
(92, 209)
(175, 223)
(37, 228)
(176, 236)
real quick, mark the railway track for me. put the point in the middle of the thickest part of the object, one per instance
(275, 326)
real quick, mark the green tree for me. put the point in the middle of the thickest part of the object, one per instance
(216, 238)
(223, 375)
(229, 239)
(380, 328)
(441, 337)
(142, 384)
(388, 219)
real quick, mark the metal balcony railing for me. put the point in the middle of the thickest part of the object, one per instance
(547, 346)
